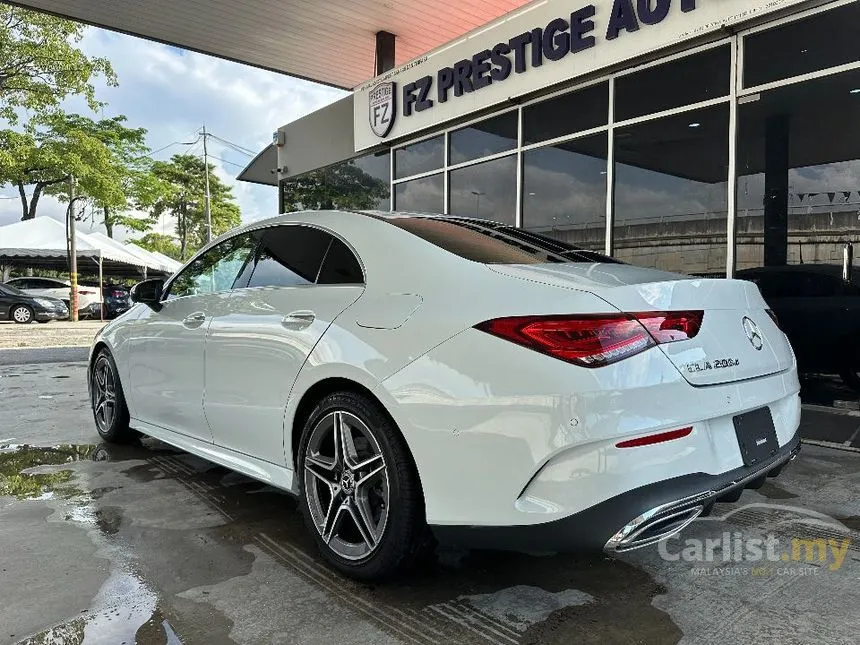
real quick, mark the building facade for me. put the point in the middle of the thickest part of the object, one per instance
(701, 136)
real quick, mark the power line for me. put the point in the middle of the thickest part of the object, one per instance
(236, 146)
(232, 163)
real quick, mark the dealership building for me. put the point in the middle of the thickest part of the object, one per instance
(705, 136)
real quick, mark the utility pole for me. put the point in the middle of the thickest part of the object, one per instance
(73, 256)
(208, 197)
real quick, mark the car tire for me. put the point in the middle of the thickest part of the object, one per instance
(22, 314)
(367, 526)
(110, 412)
(850, 372)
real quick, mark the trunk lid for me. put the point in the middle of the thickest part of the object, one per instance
(738, 340)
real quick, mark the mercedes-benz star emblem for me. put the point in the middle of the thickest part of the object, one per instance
(753, 334)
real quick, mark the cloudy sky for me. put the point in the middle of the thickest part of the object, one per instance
(172, 93)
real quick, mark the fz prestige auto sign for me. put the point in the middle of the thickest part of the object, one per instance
(530, 49)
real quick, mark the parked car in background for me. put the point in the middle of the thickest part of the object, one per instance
(117, 300)
(819, 312)
(18, 306)
(56, 288)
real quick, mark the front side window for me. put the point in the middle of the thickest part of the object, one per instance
(290, 256)
(218, 269)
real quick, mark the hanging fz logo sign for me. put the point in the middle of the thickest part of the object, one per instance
(381, 108)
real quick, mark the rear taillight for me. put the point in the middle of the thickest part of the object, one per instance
(117, 294)
(595, 340)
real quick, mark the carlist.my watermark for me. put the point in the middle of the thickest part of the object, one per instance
(790, 541)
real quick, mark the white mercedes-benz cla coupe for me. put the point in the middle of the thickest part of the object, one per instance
(411, 376)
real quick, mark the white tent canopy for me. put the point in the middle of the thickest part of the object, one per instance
(165, 267)
(143, 259)
(41, 242)
(170, 263)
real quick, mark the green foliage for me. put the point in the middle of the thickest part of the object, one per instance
(23, 485)
(342, 186)
(106, 158)
(183, 178)
(40, 64)
(164, 244)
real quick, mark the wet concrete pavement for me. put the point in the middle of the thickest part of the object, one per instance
(146, 544)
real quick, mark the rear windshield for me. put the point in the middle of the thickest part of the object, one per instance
(492, 243)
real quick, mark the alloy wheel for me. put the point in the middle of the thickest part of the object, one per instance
(104, 394)
(346, 485)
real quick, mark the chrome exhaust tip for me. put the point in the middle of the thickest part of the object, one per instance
(658, 523)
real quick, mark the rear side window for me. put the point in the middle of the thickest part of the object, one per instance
(340, 266)
(491, 243)
(289, 256)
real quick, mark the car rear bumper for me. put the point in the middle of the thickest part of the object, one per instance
(631, 520)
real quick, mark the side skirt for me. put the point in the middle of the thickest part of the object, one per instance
(263, 471)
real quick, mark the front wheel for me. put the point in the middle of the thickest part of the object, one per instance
(22, 314)
(109, 408)
(361, 499)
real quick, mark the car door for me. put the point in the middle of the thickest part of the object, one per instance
(167, 348)
(303, 277)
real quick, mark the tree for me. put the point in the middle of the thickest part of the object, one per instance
(107, 159)
(342, 186)
(164, 244)
(50, 151)
(184, 199)
(40, 64)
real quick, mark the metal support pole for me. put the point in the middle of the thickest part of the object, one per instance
(101, 286)
(73, 256)
(208, 197)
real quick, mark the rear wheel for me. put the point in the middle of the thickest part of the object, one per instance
(22, 314)
(361, 499)
(109, 408)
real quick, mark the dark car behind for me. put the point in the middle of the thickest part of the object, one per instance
(819, 312)
(117, 300)
(18, 306)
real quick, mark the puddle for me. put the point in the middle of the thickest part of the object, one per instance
(126, 608)
(226, 551)
(22, 477)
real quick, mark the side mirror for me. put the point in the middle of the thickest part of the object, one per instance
(148, 292)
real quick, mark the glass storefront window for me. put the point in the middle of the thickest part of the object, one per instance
(799, 173)
(820, 41)
(671, 192)
(486, 190)
(564, 191)
(684, 81)
(377, 166)
(425, 195)
(492, 136)
(420, 157)
(566, 114)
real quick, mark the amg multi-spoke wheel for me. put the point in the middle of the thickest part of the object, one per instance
(360, 493)
(346, 483)
(109, 409)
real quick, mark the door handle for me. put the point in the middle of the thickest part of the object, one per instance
(298, 320)
(193, 321)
